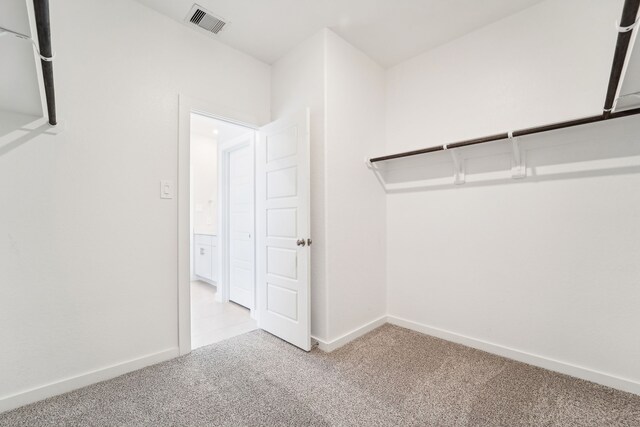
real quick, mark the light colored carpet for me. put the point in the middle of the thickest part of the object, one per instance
(389, 377)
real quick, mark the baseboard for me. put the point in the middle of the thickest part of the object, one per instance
(69, 384)
(33, 395)
(329, 346)
(521, 356)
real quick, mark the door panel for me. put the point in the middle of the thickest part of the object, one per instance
(282, 197)
(282, 222)
(282, 301)
(282, 262)
(282, 183)
(282, 145)
(241, 251)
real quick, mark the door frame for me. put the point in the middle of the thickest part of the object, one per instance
(224, 151)
(186, 106)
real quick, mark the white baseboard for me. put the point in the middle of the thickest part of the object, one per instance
(63, 386)
(521, 356)
(33, 395)
(329, 346)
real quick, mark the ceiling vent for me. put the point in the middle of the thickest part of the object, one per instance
(206, 20)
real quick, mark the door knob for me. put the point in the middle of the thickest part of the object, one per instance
(301, 242)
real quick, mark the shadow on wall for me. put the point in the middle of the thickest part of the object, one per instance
(606, 148)
(18, 129)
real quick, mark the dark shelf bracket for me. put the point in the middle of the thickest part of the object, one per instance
(625, 31)
(43, 25)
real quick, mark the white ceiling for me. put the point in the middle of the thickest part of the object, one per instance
(389, 31)
(217, 130)
(19, 85)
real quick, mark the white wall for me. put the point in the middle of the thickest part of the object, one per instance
(88, 249)
(298, 82)
(204, 170)
(345, 90)
(547, 266)
(356, 204)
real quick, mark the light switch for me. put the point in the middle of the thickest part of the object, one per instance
(166, 189)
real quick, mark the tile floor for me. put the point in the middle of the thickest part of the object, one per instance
(213, 321)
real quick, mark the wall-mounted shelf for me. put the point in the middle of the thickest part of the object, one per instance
(626, 35)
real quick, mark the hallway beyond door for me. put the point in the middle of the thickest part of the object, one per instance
(213, 321)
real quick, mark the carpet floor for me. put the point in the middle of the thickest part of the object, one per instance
(389, 377)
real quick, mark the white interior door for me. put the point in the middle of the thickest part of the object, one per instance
(241, 271)
(283, 229)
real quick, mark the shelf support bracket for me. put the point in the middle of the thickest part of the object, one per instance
(376, 171)
(518, 167)
(458, 167)
(368, 164)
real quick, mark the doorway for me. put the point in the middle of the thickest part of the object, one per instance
(263, 234)
(222, 287)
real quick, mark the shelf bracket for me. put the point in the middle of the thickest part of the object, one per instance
(367, 163)
(374, 168)
(458, 167)
(518, 167)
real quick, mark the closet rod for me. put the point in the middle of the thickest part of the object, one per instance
(627, 22)
(43, 26)
(625, 31)
(501, 136)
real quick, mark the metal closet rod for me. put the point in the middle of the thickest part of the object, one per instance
(43, 25)
(625, 30)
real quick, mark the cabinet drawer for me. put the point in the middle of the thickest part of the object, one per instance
(204, 239)
(202, 260)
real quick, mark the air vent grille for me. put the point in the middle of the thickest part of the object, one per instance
(206, 20)
(197, 17)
